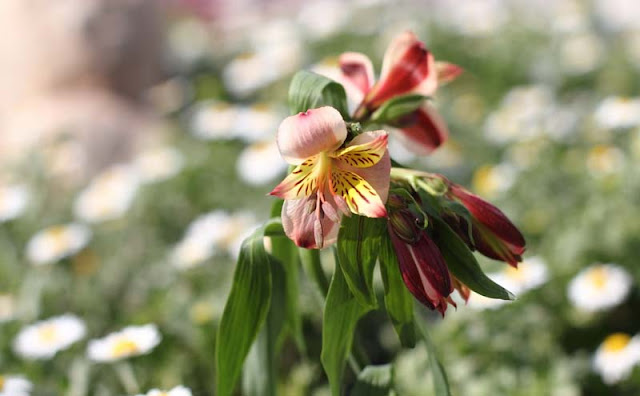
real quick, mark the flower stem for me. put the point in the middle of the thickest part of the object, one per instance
(127, 377)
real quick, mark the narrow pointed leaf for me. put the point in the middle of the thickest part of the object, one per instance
(397, 107)
(397, 298)
(463, 264)
(245, 311)
(310, 90)
(440, 381)
(358, 248)
(374, 381)
(260, 374)
(341, 314)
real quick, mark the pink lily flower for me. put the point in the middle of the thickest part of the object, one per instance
(330, 179)
(408, 68)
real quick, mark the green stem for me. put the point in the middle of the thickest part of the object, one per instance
(311, 263)
(127, 377)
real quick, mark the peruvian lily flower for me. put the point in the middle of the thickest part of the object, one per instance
(330, 179)
(494, 235)
(407, 68)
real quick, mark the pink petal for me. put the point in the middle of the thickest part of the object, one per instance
(408, 67)
(357, 68)
(447, 72)
(424, 130)
(307, 225)
(306, 134)
(354, 94)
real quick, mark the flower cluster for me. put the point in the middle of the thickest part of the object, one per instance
(341, 171)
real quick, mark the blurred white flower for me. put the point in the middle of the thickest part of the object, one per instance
(323, 18)
(251, 71)
(7, 307)
(599, 287)
(210, 233)
(130, 341)
(57, 242)
(44, 339)
(13, 201)
(109, 195)
(581, 53)
(479, 302)
(522, 115)
(260, 163)
(188, 41)
(490, 180)
(213, 120)
(158, 164)
(531, 273)
(618, 112)
(256, 123)
(177, 391)
(604, 160)
(618, 14)
(616, 357)
(13, 385)
(474, 18)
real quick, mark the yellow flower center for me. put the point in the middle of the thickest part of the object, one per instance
(124, 347)
(514, 273)
(1, 383)
(485, 181)
(48, 333)
(598, 277)
(616, 342)
(59, 237)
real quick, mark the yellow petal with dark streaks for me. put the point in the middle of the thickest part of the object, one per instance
(361, 198)
(300, 183)
(363, 155)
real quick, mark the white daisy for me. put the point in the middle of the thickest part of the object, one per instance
(44, 339)
(7, 307)
(13, 385)
(239, 227)
(13, 201)
(158, 164)
(491, 180)
(604, 160)
(191, 251)
(531, 273)
(108, 196)
(257, 122)
(599, 287)
(581, 53)
(260, 163)
(334, 17)
(616, 357)
(618, 112)
(177, 391)
(479, 302)
(130, 341)
(214, 120)
(57, 242)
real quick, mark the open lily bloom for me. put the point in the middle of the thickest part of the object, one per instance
(408, 68)
(329, 180)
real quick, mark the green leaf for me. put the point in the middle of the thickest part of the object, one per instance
(463, 264)
(310, 90)
(286, 252)
(394, 108)
(440, 381)
(244, 312)
(374, 381)
(397, 298)
(259, 374)
(358, 247)
(341, 314)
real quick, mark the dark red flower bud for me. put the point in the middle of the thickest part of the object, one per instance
(423, 270)
(494, 235)
(424, 129)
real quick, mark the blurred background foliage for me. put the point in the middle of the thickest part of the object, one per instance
(545, 123)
